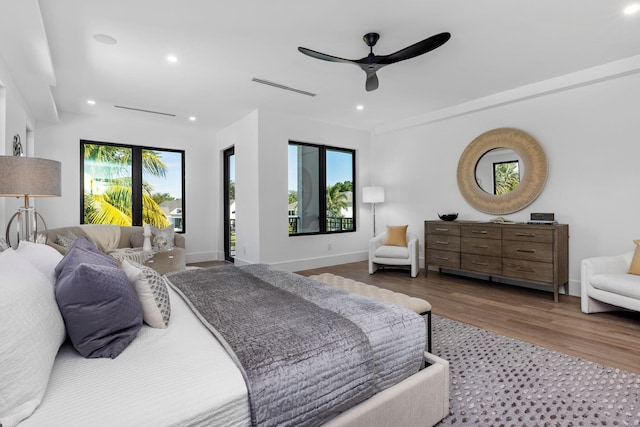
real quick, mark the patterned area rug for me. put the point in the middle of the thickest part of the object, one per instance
(500, 381)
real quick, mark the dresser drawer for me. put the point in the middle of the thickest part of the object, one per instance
(528, 234)
(444, 229)
(530, 251)
(528, 270)
(480, 246)
(481, 230)
(481, 263)
(445, 243)
(443, 259)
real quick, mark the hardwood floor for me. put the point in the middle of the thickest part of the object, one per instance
(612, 339)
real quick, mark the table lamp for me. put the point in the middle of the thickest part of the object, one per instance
(28, 177)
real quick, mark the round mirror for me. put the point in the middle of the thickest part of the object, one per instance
(502, 171)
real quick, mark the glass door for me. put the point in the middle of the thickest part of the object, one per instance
(229, 190)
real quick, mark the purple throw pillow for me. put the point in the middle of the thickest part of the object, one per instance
(100, 308)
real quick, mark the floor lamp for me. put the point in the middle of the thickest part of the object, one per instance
(373, 195)
(28, 177)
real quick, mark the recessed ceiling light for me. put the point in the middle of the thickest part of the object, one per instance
(360, 107)
(104, 39)
(632, 8)
(172, 58)
(193, 119)
(91, 102)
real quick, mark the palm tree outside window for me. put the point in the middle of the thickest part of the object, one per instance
(312, 168)
(131, 185)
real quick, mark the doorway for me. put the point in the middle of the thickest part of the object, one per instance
(229, 190)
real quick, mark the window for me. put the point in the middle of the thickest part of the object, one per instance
(506, 176)
(315, 167)
(131, 185)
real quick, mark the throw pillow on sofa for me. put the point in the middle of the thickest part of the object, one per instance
(100, 308)
(635, 262)
(161, 239)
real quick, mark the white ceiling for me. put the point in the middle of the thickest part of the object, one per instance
(496, 46)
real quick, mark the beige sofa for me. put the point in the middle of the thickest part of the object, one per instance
(163, 262)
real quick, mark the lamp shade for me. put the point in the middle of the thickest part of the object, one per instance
(373, 194)
(29, 176)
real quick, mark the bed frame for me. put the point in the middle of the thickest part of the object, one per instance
(420, 400)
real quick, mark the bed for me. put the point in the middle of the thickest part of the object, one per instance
(186, 374)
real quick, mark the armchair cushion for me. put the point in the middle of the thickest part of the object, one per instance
(621, 284)
(400, 252)
(396, 235)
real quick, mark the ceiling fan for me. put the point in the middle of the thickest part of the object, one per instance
(372, 63)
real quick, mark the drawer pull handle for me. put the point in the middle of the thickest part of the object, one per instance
(526, 234)
(479, 231)
(480, 246)
(480, 263)
(446, 230)
(529, 251)
(440, 242)
(445, 258)
(527, 270)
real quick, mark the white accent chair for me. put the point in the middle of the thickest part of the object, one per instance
(606, 286)
(381, 254)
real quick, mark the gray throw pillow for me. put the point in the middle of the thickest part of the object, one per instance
(163, 240)
(66, 239)
(100, 308)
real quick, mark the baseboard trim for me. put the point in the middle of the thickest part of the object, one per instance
(309, 263)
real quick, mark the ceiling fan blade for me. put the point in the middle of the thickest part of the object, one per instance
(323, 56)
(372, 82)
(416, 49)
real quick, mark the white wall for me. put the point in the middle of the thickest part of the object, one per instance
(261, 146)
(592, 141)
(61, 142)
(243, 136)
(14, 119)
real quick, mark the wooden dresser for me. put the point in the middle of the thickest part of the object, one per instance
(535, 253)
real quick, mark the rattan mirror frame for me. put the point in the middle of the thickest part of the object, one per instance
(531, 183)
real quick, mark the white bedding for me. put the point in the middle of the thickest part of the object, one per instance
(179, 376)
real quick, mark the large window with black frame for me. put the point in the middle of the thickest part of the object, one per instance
(131, 185)
(321, 183)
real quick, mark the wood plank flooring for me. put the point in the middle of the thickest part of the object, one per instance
(612, 339)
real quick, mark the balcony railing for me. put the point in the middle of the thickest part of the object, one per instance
(333, 224)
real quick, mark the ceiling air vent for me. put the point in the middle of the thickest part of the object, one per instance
(278, 85)
(145, 111)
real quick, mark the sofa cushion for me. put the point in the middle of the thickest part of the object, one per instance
(627, 285)
(396, 235)
(100, 308)
(634, 268)
(399, 252)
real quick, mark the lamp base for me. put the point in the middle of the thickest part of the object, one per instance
(26, 220)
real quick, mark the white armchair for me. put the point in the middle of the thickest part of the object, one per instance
(606, 286)
(380, 254)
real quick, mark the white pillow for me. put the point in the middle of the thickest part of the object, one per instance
(31, 332)
(42, 257)
(152, 293)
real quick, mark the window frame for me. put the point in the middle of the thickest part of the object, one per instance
(136, 179)
(322, 170)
